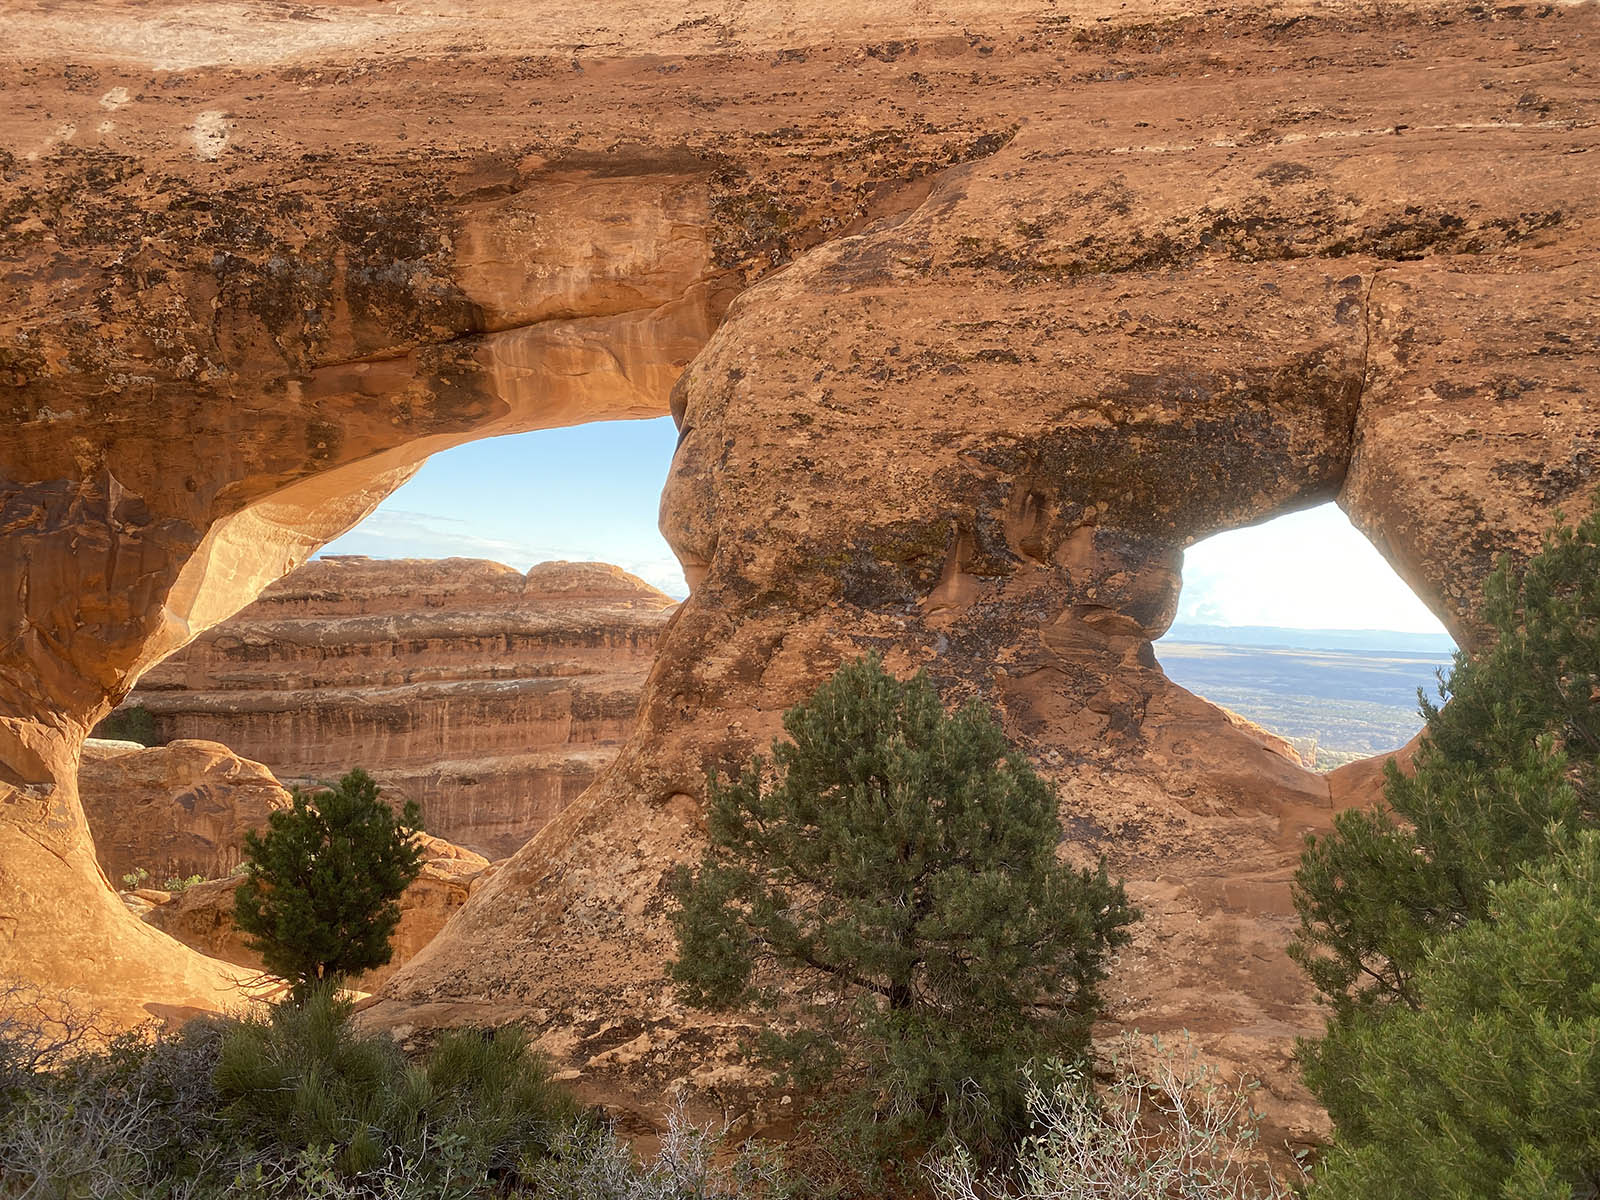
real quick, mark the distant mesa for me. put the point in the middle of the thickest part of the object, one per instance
(1365, 640)
(1337, 695)
(490, 696)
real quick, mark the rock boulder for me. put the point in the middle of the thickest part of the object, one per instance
(175, 810)
(201, 916)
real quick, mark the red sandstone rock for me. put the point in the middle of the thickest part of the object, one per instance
(1039, 299)
(491, 698)
(176, 810)
(202, 916)
(1360, 784)
(182, 809)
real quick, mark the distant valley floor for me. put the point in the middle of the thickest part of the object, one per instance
(1335, 705)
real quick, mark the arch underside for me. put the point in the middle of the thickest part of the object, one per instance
(971, 422)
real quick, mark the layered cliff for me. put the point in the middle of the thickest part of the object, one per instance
(490, 697)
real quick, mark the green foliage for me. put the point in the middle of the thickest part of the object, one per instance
(1490, 1087)
(1454, 929)
(113, 1124)
(138, 877)
(296, 1103)
(131, 723)
(319, 898)
(1513, 753)
(1383, 882)
(304, 1080)
(892, 877)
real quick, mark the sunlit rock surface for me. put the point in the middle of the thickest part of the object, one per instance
(491, 697)
(173, 811)
(201, 916)
(976, 315)
(167, 814)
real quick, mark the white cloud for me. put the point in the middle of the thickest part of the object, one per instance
(1307, 570)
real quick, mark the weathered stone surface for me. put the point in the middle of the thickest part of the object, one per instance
(182, 809)
(979, 437)
(1479, 413)
(1059, 293)
(491, 697)
(173, 811)
(201, 916)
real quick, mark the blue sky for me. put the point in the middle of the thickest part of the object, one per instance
(1306, 570)
(588, 492)
(592, 492)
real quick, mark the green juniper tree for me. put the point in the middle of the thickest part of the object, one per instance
(1514, 752)
(1447, 998)
(319, 897)
(891, 877)
(132, 723)
(1490, 1086)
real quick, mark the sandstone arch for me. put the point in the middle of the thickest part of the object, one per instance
(1077, 293)
(984, 458)
(140, 514)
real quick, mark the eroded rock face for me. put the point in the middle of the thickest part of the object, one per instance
(182, 809)
(201, 916)
(336, 264)
(173, 811)
(491, 697)
(1057, 295)
(978, 438)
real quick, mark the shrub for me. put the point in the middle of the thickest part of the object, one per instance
(320, 889)
(304, 1081)
(131, 723)
(1164, 1125)
(1490, 1087)
(38, 1033)
(297, 1104)
(694, 1163)
(894, 875)
(1513, 752)
(123, 1122)
(1461, 1055)
(292, 1104)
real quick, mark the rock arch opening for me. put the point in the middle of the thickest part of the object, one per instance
(1299, 625)
(479, 642)
(294, 384)
(586, 492)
